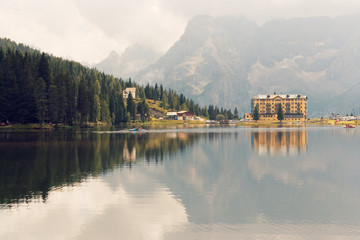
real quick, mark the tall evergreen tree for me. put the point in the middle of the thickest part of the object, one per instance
(41, 100)
(142, 94)
(205, 112)
(148, 92)
(97, 109)
(155, 92)
(256, 115)
(83, 102)
(105, 113)
(164, 103)
(143, 109)
(120, 112)
(280, 113)
(94, 99)
(54, 103)
(2, 90)
(44, 70)
(236, 114)
(161, 92)
(131, 107)
(11, 93)
(25, 106)
(71, 94)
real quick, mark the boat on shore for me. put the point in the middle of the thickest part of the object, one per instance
(135, 129)
(349, 126)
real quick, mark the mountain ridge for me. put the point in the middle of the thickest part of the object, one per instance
(132, 60)
(227, 60)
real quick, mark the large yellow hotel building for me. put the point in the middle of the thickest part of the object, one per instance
(294, 107)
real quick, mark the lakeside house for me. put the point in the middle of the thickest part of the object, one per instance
(181, 115)
(171, 116)
(185, 115)
(294, 107)
(127, 91)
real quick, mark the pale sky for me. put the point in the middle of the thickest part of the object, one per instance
(88, 30)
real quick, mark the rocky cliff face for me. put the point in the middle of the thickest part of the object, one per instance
(210, 62)
(225, 61)
(129, 63)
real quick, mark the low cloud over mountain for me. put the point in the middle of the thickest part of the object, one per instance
(131, 61)
(227, 60)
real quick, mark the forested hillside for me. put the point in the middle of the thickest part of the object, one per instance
(36, 87)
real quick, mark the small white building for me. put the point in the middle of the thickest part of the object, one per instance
(127, 91)
(171, 115)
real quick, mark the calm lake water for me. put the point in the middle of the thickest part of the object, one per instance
(199, 183)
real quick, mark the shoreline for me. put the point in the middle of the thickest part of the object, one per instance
(159, 123)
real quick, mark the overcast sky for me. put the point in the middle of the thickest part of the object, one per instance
(88, 30)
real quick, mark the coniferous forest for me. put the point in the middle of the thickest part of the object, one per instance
(38, 88)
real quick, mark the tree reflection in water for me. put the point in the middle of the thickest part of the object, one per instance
(31, 164)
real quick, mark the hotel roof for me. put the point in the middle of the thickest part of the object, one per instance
(288, 96)
(130, 89)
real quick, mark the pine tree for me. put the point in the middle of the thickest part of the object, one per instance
(2, 92)
(83, 102)
(62, 103)
(155, 92)
(211, 112)
(120, 112)
(97, 109)
(105, 113)
(53, 103)
(131, 107)
(164, 103)
(256, 115)
(148, 92)
(236, 114)
(205, 113)
(161, 92)
(71, 100)
(95, 106)
(41, 100)
(25, 109)
(142, 94)
(280, 113)
(143, 109)
(44, 70)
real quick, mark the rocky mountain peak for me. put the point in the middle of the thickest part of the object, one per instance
(226, 60)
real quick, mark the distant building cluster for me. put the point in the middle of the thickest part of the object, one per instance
(337, 117)
(181, 115)
(294, 107)
(127, 91)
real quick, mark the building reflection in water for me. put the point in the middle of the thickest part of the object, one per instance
(279, 142)
(129, 155)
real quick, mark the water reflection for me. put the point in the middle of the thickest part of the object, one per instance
(205, 184)
(275, 142)
(31, 164)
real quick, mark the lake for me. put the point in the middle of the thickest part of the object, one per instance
(181, 183)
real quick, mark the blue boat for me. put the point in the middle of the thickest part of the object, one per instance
(135, 129)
